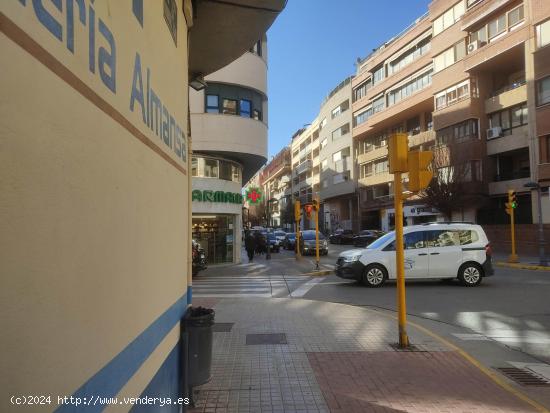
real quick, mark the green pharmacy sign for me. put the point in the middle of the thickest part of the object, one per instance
(216, 196)
(254, 196)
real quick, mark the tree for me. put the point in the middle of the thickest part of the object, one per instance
(456, 184)
(258, 214)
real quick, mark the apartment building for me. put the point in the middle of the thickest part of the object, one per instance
(470, 79)
(391, 92)
(276, 181)
(229, 124)
(337, 173)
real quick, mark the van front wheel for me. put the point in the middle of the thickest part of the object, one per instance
(374, 276)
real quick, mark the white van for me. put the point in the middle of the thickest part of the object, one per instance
(435, 250)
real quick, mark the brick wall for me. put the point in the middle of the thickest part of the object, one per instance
(526, 238)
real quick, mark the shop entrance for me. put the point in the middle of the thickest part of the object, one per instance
(215, 234)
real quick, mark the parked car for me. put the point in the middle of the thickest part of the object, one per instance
(280, 235)
(308, 245)
(366, 236)
(341, 236)
(199, 262)
(442, 251)
(274, 243)
(289, 243)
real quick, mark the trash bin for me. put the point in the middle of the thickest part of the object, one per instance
(199, 325)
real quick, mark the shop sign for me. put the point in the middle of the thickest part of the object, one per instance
(216, 196)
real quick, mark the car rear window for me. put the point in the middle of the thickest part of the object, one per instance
(309, 235)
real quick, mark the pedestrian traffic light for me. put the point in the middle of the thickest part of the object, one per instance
(419, 174)
(308, 208)
(398, 148)
(512, 203)
(297, 211)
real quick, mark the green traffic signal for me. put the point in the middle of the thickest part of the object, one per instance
(514, 205)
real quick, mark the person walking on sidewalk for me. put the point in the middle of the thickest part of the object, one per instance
(250, 245)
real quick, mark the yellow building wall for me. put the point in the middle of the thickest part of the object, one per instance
(94, 205)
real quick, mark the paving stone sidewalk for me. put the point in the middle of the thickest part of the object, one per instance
(337, 358)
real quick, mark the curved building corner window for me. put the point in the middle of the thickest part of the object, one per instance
(212, 104)
(245, 108)
(229, 107)
(257, 48)
(256, 114)
(216, 168)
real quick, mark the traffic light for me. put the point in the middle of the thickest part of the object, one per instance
(398, 147)
(315, 204)
(512, 203)
(308, 208)
(419, 175)
(297, 211)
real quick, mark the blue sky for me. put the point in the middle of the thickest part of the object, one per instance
(313, 46)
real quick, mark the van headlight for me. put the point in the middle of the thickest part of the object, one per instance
(352, 258)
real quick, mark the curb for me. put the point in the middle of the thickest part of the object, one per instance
(317, 273)
(522, 266)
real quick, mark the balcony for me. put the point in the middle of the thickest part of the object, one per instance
(506, 97)
(421, 138)
(376, 179)
(517, 140)
(381, 152)
(304, 166)
(513, 180)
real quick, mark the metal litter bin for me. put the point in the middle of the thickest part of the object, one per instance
(199, 324)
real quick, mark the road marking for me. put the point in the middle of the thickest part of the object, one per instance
(301, 291)
(472, 337)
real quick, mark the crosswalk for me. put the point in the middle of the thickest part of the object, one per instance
(252, 285)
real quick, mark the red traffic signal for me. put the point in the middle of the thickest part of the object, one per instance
(308, 208)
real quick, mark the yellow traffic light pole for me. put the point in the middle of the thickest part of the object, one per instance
(297, 217)
(510, 210)
(416, 163)
(316, 209)
(400, 262)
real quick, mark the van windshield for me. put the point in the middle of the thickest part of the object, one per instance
(381, 241)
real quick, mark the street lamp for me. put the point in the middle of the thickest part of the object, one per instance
(542, 255)
(269, 201)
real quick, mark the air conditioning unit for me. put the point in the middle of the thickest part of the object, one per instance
(473, 46)
(495, 132)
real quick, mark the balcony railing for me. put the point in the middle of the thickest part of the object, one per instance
(506, 88)
(511, 175)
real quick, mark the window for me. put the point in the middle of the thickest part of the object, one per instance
(324, 143)
(256, 114)
(342, 107)
(515, 16)
(341, 131)
(323, 123)
(414, 240)
(452, 95)
(378, 75)
(336, 111)
(365, 170)
(245, 106)
(226, 171)
(257, 48)
(194, 167)
(362, 117)
(361, 91)
(324, 183)
(407, 89)
(497, 26)
(381, 166)
(509, 118)
(543, 91)
(229, 107)
(324, 164)
(460, 132)
(212, 104)
(543, 34)
(409, 56)
(448, 18)
(450, 56)
(442, 238)
(378, 105)
(339, 178)
(210, 168)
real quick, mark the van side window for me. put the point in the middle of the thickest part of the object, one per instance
(414, 240)
(467, 236)
(442, 238)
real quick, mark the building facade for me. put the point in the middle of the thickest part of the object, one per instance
(229, 123)
(469, 80)
(95, 174)
(275, 181)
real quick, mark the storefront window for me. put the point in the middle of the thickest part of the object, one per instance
(215, 234)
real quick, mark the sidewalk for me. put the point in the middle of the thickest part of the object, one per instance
(339, 358)
(525, 262)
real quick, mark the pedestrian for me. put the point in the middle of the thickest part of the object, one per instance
(249, 245)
